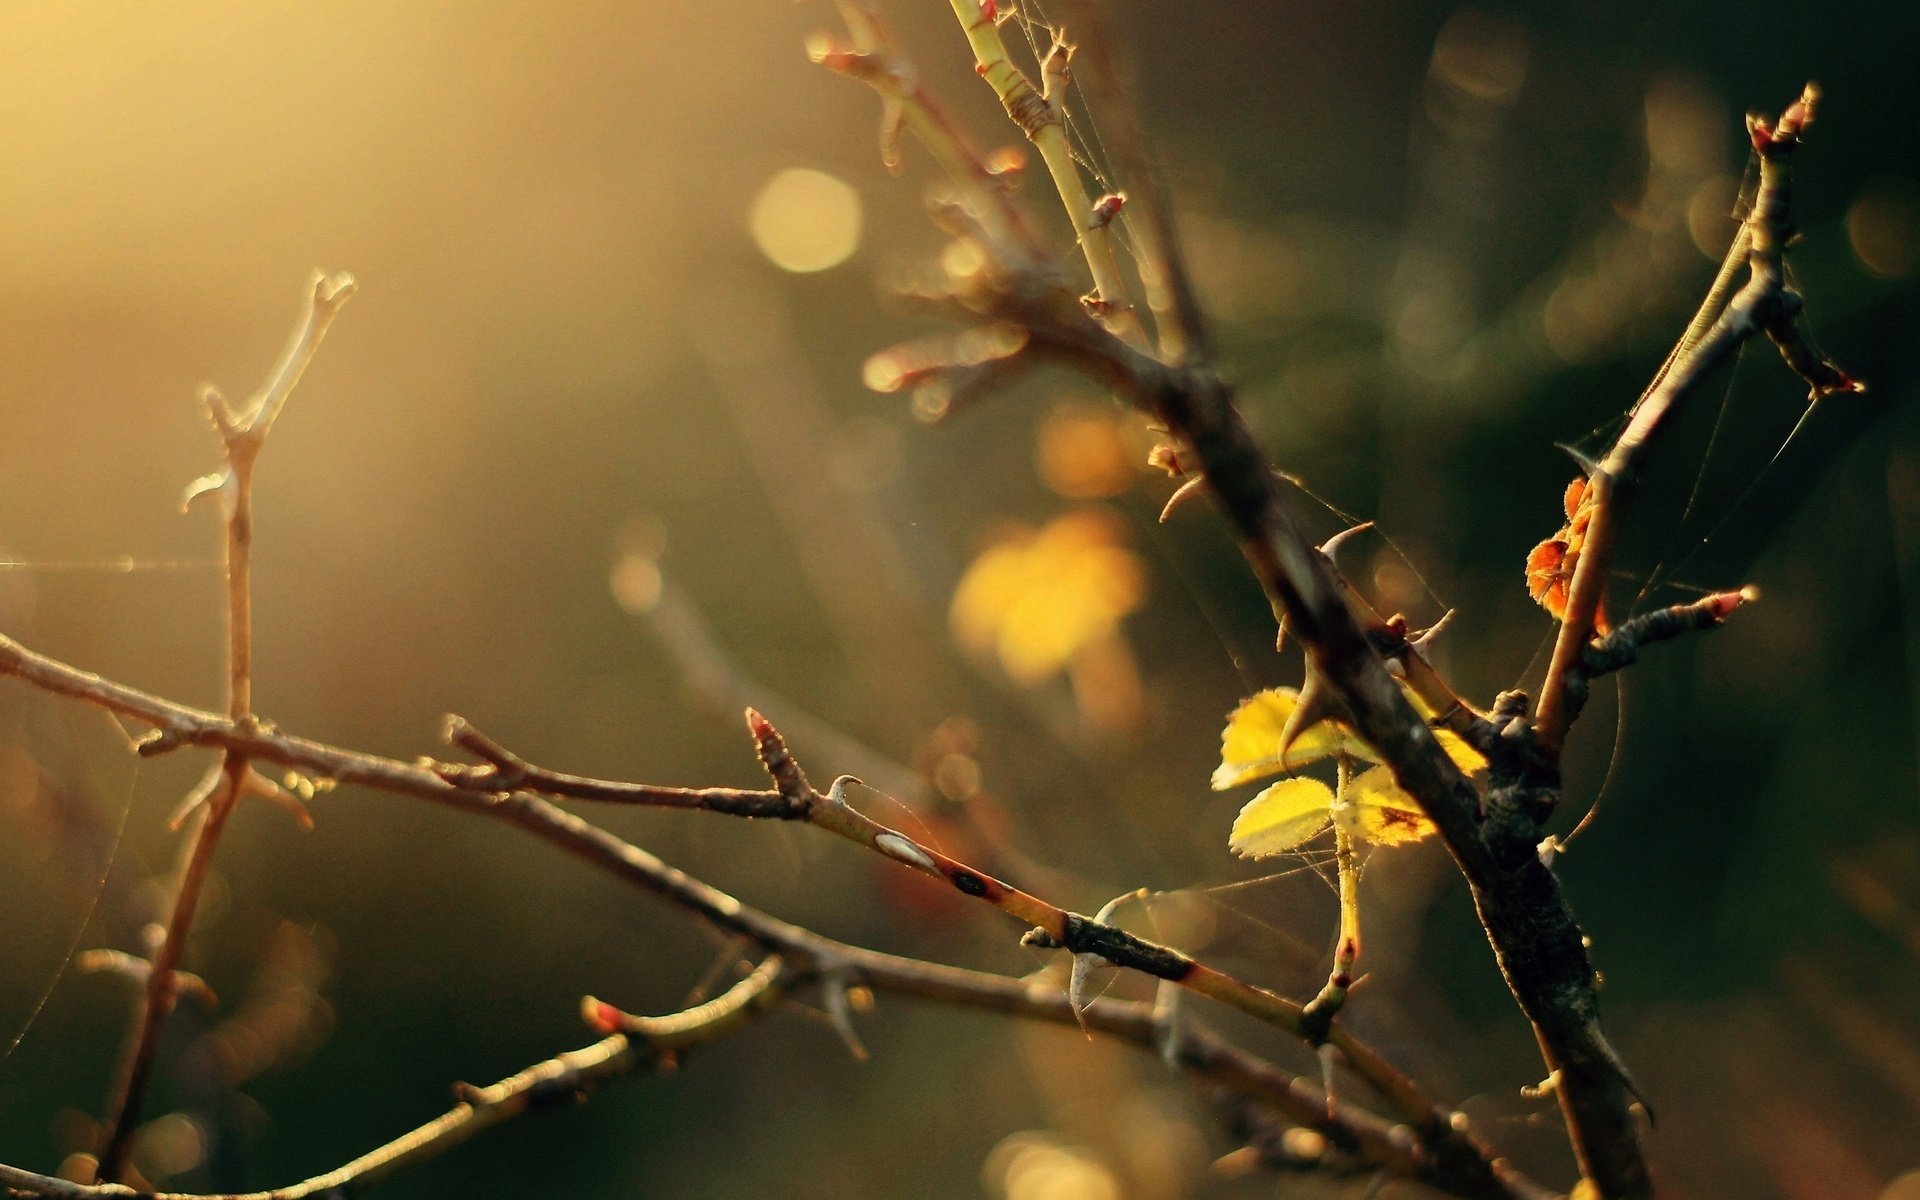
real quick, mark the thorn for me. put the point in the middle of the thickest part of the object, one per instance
(1317, 703)
(205, 485)
(258, 785)
(893, 118)
(139, 971)
(1236, 1164)
(1425, 638)
(1084, 965)
(1184, 492)
(1166, 998)
(837, 793)
(155, 742)
(1166, 457)
(1327, 1054)
(1597, 1041)
(1332, 545)
(1078, 980)
(840, 1012)
(1545, 1088)
(1588, 466)
(224, 418)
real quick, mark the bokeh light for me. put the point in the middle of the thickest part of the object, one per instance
(1883, 227)
(806, 221)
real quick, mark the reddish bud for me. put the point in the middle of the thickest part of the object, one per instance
(1722, 604)
(601, 1017)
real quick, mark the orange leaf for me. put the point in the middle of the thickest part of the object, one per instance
(1551, 564)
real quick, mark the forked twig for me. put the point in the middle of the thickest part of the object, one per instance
(242, 436)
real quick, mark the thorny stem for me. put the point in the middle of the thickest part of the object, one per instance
(795, 799)
(1164, 277)
(1041, 118)
(242, 435)
(1435, 1150)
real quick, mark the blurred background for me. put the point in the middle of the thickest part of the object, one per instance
(589, 461)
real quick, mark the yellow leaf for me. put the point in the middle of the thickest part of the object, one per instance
(1381, 812)
(1250, 744)
(1281, 817)
(1464, 756)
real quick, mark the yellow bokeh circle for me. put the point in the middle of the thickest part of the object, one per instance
(806, 221)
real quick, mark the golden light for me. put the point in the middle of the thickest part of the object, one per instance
(806, 221)
(1035, 1165)
(1082, 454)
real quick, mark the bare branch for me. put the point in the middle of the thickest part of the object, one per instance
(1765, 305)
(1433, 1147)
(562, 1079)
(242, 435)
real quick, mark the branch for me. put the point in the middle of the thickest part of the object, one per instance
(562, 1079)
(795, 799)
(1042, 117)
(242, 436)
(1765, 305)
(1437, 1152)
(875, 60)
(1539, 946)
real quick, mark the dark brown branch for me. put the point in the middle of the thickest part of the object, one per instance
(1621, 648)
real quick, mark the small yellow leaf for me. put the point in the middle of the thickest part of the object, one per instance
(1464, 756)
(1250, 744)
(1280, 818)
(1382, 813)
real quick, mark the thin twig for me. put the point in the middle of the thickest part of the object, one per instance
(242, 436)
